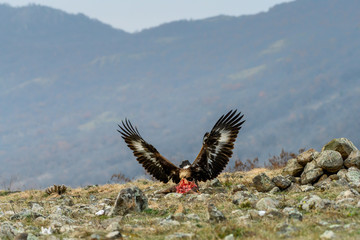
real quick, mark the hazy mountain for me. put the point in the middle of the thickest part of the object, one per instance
(67, 80)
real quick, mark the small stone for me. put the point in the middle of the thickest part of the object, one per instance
(305, 157)
(214, 214)
(229, 237)
(263, 183)
(180, 236)
(285, 230)
(114, 235)
(294, 188)
(293, 168)
(169, 222)
(193, 216)
(202, 197)
(129, 199)
(267, 203)
(334, 177)
(353, 160)
(351, 193)
(342, 145)
(328, 235)
(274, 190)
(314, 202)
(215, 183)
(307, 188)
(173, 195)
(281, 182)
(114, 226)
(295, 214)
(342, 173)
(100, 212)
(330, 161)
(245, 196)
(21, 236)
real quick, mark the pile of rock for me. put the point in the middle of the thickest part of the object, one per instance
(338, 160)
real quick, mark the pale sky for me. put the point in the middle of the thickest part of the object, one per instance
(135, 15)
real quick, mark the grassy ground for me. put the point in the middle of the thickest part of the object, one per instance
(344, 221)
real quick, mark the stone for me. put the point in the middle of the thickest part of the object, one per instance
(294, 188)
(353, 160)
(169, 222)
(239, 187)
(285, 229)
(180, 236)
(293, 168)
(114, 235)
(263, 183)
(310, 166)
(350, 193)
(328, 235)
(305, 157)
(267, 203)
(334, 177)
(281, 182)
(214, 214)
(342, 173)
(311, 175)
(173, 195)
(342, 145)
(21, 236)
(215, 183)
(307, 188)
(192, 216)
(314, 202)
(25, 213)
(330, 161)
(295, 215)
(274, 190)
(229, 237)
(129, 199)
(353, 175)
(245, 196)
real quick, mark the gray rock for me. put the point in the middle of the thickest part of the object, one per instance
(330, 161)
(350, 193)
(342, 173)
(245, 196)
(173, 195)
(215, 183)
(293, 168)
(193, 216)
(353, 160)
(311, 175)
(285, 229)
(180, 236)
(7, 230)
(21, 236)
(267, 203)
(294, 188)
(328, 235)
(229, 237)
(310, 166)
(314, 202)
(169, 222)
(25, 214)
(239, 187)
(341, 145)
(214, 214)
(114, 235)
(263, 183)
(281, 182)
(353, 175)
(307, 188)
(275, 190)
(295, 215)
(305, 157)
(129, 199)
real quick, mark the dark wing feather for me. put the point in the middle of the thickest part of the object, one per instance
(154, 163)
(217, 147)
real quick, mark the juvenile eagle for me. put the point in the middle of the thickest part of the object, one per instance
(212, 159)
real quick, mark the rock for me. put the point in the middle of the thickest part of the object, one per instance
(311, 175)
(25, 214)
(169, 222)
(229, 237)
(292, 168)
(353, 160)
(310, 166)
(214, 214)
(263, 183)
(281, 182)
(342, 173)
(314, 202)
(294, 188)
(330, 161)
(334, 177)
(267, 203)
(242, 197)
(21, 236)
(305, 157)
(341, 145)
(114, 235)
(351, 193)
(285, 230)
(202, 197)
(173, 195)
(239, 187)
(353, 175)
(180, 236)
(215, 183)
(114, 226)
(274, 190)
(306, 188)
(129, 199)
(295, 214)
(193, 216)
(328, 235)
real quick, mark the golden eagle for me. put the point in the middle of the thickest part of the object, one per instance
(212, 159)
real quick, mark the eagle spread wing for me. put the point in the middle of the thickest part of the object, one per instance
(217, 147)
(154, 163)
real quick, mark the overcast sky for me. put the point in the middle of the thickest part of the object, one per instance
(135, 15)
